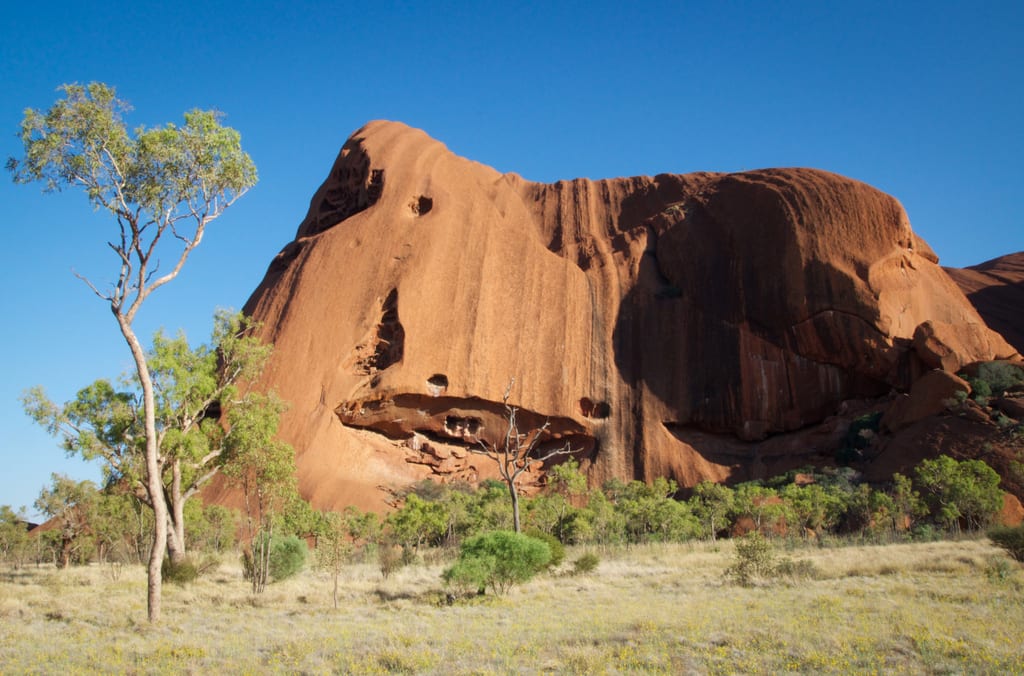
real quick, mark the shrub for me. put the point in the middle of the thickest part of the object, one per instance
(994, 378)
(554, 544)
(181, 573)
(390, 558)
(287, 557)
(998, 569)
(755, 559)
(1010, 538)
(499, 560)
(960, 492)
(587, 563)
(800, 569)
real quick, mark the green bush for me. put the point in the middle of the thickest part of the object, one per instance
(1010, 538)
(181, 573)
(287, 557)
(499, 560)
(959, 493)
(587, 563)
(554, 544)
(994, 378)
(755, 559)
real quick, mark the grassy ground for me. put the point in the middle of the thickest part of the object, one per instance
(950, 607)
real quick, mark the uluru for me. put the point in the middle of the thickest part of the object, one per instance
(697, 326)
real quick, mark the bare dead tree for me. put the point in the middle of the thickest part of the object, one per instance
(517, 451)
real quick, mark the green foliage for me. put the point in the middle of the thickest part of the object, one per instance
(1010, 538)
(601, 523)
(994, 378)
(272, 558)
(959, 492)
(554, 544)
(586, 563)
(212, 528)
(180, 573)
(814, 507)
(755, 560)
(651, 513)
(762, 506)
(566, 479)
(490, 510)
(333, 547)
(287, 557)
(190, 386)
(71, 504)
(499, 560)
(119, 525)
(418, 522)
(998, 569)
(162, 187)
(868, 510)
(261, 465)
(82, 141)
(711, 503)
(14, 537)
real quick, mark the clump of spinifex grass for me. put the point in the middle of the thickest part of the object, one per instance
(936, 607)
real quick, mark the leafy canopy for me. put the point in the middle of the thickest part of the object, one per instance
(154, 182)
(499, 560)
(191, 385)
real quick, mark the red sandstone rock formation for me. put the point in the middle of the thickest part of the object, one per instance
(663, 325)
(996, 288)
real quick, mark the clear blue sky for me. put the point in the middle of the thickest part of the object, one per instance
(922, 100)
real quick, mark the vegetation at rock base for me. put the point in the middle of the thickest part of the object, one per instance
(993, 379)
(657, 599)
(945, 497)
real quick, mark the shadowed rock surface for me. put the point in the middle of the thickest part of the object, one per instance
(996, 288)
(699, 326)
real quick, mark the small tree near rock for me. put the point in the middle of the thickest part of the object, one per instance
(517, 452)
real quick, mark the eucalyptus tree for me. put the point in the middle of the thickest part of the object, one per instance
(190, 386)
(69, 504)
(162, 187)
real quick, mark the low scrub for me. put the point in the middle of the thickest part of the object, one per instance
(181, 572)
(499, 560)
(586, 563)
(755, 560)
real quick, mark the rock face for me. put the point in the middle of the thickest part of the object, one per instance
(662, 325)
(996, 288)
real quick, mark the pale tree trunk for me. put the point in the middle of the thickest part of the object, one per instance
(176, 528)
(154, 483)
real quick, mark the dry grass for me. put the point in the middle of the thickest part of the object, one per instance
(936, 607)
